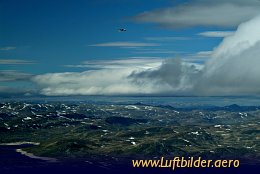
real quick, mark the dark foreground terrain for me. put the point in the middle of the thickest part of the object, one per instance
(52, 135)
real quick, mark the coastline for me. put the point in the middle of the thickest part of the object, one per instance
(31, 155)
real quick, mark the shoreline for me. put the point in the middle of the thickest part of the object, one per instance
(25, 153)
(31, 155)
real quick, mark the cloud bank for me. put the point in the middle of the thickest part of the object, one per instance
(232, 69)
(96, 82)
(221, 13)
(234, 66)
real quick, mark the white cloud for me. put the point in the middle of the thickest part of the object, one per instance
(125, 44)
(9, 80)
(244, 38)
(216, 33)
(232, 69)
(130, 62)
(204, 53)
(154, 51)
(14, 62)
(10, 75)
(130, 79)
(96, 82)
(7, 48)
(178, 76)
(221, 13)
(111, 77)
(201, 56)
(234, 66)
(170, 38)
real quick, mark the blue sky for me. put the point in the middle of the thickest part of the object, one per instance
(56, 33)
(46, 36)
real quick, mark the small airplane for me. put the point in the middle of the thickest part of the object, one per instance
(121, 29)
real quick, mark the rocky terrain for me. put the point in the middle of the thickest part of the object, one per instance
(109, 134)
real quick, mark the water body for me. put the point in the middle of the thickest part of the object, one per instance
(13, 158)
(12, 161)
